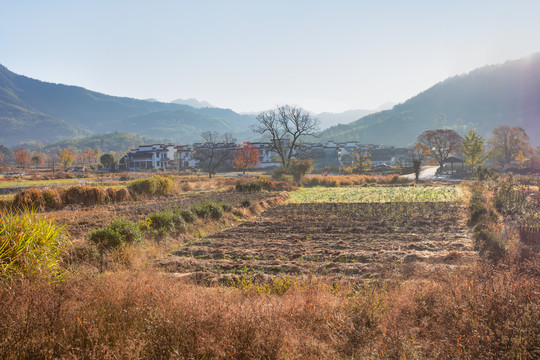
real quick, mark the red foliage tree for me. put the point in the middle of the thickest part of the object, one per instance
(22, 157)
(246, 157)
(440, 143)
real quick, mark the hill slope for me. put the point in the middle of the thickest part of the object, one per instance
(32, 110)
(507, 94)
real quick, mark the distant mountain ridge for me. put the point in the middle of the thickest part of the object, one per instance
(328, 119)
(483, 99)
(32, 110)
(193, 103)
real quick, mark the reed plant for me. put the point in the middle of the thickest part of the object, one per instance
(30, 245)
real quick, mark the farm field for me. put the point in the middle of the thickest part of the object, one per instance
(377, 194)
(318, 273)
(79, 221)
(339, 239)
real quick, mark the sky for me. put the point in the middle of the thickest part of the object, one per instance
(249, 56)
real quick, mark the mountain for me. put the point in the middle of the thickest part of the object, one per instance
(485, 98)
(193, 103)
(32, 110)
(328, 119)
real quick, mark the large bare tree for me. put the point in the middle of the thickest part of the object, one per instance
(440, 143)
(286, 125)
(215, 150)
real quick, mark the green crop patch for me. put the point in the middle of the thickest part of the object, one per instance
(377, 194)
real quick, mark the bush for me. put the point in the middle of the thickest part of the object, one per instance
(165, 223)
(298, 168)
(208, 209)
(179, 222)
(106, 239)
(226, 207)
(246, 203)
(187, 215)
(162, 222)
(30, 245)
(129, 231)
(252, 186)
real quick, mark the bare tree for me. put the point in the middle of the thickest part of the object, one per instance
(215, 150)
(286, 125)
(440, 143)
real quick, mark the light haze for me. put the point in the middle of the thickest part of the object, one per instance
(252, 55)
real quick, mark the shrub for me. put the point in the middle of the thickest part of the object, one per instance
(106, 239)
(187, 215)
(298, 168)
(226, 207)
(246, 203)
(164, 185)
(30, 245)
(179, 222)
(208, 209)
(252, 186)
(163, 223)
(129, 231)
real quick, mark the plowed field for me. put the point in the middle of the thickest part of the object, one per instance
(334, 239)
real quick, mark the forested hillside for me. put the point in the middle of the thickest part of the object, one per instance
(507, 94)
(32, 110)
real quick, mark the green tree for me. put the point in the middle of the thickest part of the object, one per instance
(107, 160)
(472, 147)
(299, 167)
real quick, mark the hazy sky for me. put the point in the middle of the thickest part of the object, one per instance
(253, 55)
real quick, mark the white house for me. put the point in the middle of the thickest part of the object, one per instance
(150, 157)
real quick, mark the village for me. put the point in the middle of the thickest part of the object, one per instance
(327, 155)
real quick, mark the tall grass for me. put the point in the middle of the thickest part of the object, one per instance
(348, 180)
(475, 313)
(30, 245)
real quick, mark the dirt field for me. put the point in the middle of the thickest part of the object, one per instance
(334, 239)
(80, 220)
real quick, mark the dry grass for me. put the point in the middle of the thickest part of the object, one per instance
(480, 313)
(348, 180)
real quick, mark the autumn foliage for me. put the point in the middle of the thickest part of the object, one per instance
(246, 157)
(22, 157)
